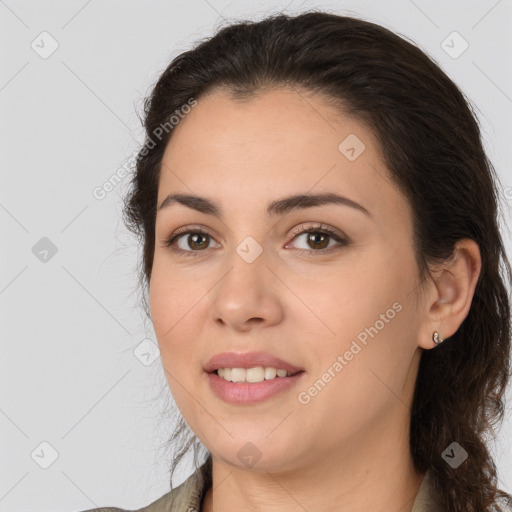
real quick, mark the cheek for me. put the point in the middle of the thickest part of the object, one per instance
(178, 304)
(366, 316)
(161, 301)
(171, 299)
(360, 372)
(340, 301)
(170, 305)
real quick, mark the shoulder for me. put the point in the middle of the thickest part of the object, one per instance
(427, 498)
(160, 505)
(506, 505)
(186, 496)
(173, 500)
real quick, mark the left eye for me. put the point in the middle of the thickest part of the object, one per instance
(318, 239)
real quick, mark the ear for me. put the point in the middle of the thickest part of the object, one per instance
(450, 293)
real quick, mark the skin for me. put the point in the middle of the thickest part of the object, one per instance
(348, 448)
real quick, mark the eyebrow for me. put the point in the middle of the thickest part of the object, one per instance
(278, 207)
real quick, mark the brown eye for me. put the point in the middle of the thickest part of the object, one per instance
(317, 239)
(197, 241)
(190, 243)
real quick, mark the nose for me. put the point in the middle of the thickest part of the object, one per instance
(248, 295)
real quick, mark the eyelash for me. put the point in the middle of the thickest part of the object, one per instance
(310, 229)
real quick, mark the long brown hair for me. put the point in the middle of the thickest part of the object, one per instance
(431, 142)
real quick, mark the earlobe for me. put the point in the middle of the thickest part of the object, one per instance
(453, 287)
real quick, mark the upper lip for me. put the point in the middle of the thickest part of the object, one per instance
(248, 360)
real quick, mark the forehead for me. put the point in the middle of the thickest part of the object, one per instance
(281, 141)
(280, 125)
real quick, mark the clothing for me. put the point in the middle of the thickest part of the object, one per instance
(188, 496)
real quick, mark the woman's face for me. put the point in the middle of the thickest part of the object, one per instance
(341, 307)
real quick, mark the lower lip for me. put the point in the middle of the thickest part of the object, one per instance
(250, 392)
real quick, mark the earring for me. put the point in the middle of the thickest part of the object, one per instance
(436, 338)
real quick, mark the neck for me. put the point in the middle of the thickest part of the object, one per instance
(374, 472)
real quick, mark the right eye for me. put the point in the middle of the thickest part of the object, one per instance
(192, 241)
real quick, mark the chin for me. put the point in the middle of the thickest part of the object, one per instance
(258, 455)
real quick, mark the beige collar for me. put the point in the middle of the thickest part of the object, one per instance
(425, 497)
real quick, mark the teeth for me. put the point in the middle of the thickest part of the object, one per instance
(256, 374)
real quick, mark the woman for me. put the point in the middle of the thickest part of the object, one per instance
(325, 272)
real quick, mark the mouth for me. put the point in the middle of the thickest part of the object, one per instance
(250, 377)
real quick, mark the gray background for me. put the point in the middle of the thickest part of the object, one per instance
(73, 372)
